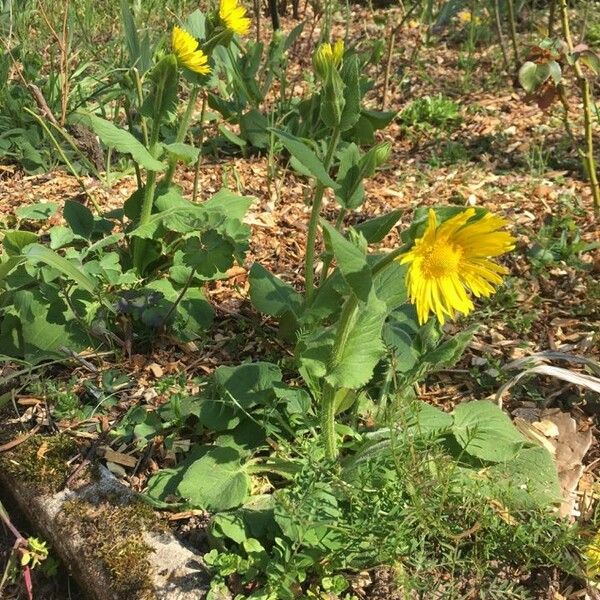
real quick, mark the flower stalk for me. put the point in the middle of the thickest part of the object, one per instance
(311, 237)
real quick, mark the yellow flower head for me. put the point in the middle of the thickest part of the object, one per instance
(189, 55)
(234, 16)
(465, 16)
(327, 57)
(452, 259)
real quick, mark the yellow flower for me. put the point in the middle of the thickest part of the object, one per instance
(188, 53)
(592, 557)
(328, 56)
(452, 259)
(234, 16)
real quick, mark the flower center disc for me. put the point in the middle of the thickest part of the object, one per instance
(441, 259)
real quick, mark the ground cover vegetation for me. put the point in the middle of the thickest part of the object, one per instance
(320, 287)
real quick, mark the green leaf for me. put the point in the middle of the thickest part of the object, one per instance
(272, 296)
(351, 260)
(352, 95)
(47, 325)
(447, 354)
(529, 481)
(79, 218)
(532, 75)
(254, 126)
(38, 253)
(41, 211)
(216, 481)
(139, 51)
(249, 384)
(374, 230)
(229, 203)
(363, 349)
(15, 241)
(390, 285)
(307, 158)
(8, 265)
(60, 236)
(121, 140)
(210, 254)
(184, 152)
(194, 314)
(350, 192)
(232, 137)
(427, 420)
(484, 431)
(332, 99)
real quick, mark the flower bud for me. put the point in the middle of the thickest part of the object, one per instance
(327, 58)
(382, 153)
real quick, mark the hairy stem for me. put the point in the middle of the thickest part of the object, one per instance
(184, 125)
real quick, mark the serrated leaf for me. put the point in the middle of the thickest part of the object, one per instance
(352, 262)
(363, 347)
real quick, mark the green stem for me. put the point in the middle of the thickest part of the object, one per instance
(328, 423)
(311, 236)
(184, 125)
(140, 245)
(200, 144)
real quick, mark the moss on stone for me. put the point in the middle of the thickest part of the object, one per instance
(113, 534)
(42, 461)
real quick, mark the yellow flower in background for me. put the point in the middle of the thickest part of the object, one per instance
(234, 16)
(328, 56)
(453, 259)
(189, 55)
(465, 16)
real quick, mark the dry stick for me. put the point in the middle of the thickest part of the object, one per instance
(588, 155)
(257, 16)
(67, 162)
(501, 39)
(390, 52)
(551, 18)
(388, 68)
(513, 33)
(61, 41)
